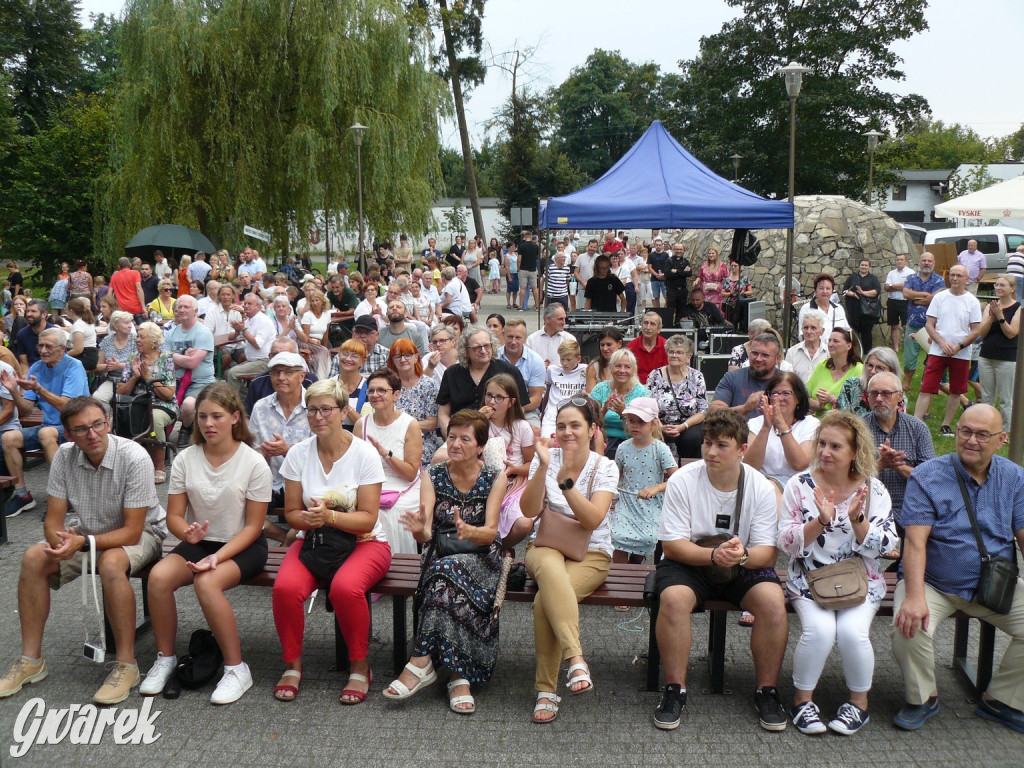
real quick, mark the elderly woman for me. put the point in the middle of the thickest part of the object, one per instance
(333, 464)
(153, 362)
(457, 520)
(116, 352)
(351, 356)
(418, 397)
(163, 304)
(835, 315)
(609, 341)
(463, 385)
(828, 378)
(82, 333)
(782, 437)
(711, 275)
(422, 309)
(396, 438)
(614, 395)
(443, 352)
(805, 355)
(578, 483)
(682, 398)
(853, 396)
(286, 323)
(740, 357)
(836, 511)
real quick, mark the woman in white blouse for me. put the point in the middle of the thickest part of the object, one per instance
(82, 333)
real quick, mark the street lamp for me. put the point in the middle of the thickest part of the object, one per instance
(357, 135)
(736, 157)
(873, 137)
(794, 75)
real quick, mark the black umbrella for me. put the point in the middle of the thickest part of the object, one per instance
(173, 239)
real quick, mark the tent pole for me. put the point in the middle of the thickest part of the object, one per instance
(1016, 453)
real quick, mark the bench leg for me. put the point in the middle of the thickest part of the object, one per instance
(653, 652)
(400, 641)
(716, 650)
(5, 496)
(986, 650)
(961, 663)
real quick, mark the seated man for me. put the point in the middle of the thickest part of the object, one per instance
(52, 381)
(701, 500)
(257, 331)
(262, 385)
(704, 315)
(108, 480)
(741, 390)
(942, 566)
(191, 346)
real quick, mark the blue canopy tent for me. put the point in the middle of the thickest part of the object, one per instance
(658, 184)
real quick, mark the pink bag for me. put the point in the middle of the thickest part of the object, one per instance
(388, 499)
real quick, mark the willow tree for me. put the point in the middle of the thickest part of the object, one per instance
(233, 112)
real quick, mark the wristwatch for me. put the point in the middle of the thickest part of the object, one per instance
(746, 556)
(391, 454)
(566, 484)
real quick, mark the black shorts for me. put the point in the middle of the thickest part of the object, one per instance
(250, 561)
(898, 312)
(671, 573)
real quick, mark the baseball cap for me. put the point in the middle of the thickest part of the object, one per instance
(644, 407)
(287, 359)
(366, 322)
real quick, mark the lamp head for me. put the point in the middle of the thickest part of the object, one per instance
(794, 74)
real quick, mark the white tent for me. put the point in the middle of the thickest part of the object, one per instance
(1000, 201)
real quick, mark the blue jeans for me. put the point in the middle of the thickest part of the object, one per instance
(658, 289)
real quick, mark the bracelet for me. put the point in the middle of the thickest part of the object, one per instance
(783, 433)
(334, 517)
(823, 525)
(713, 555)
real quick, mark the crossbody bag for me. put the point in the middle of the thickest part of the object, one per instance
(843, 584)
(723, 574)
(564, 532)
(998, 581)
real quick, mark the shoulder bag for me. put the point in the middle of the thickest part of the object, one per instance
(843, 584)
(325, 549)
(723, 574)
(672, 389)
(445, 539)
(998, 581)
(564, 532)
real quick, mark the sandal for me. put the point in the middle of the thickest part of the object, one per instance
(746, 619)
(546, 702)
(455, 701)
(584, 678)
(425, 676)
(159, 477)
(283, 688)
(354, 696)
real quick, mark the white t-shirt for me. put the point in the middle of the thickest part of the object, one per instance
(88, 331)
(317, 326)
(897, 277)
(161, 269)
(562, 385)
(693, 507)
(953, 317)
(219, 494)
(460, 304)
(219, 320)
(360, 465)
(775, 465)
(607, 479)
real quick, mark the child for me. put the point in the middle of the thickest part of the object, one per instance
(645, 463)
(508, 424)
(565, 380)
(493, 273)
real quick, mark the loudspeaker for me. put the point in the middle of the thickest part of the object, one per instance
(714, 367)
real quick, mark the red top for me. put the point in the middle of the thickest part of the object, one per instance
(123, 283)
(647, 361)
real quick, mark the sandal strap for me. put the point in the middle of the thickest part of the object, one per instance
(358, 678)
(400, 687)
(457, 683)
(550, 701)
(461, 700)
(577, 667)
(421, 672)
(291, 673)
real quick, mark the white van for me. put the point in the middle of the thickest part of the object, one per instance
(997, 243)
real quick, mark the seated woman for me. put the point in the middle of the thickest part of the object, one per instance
(287, 324)
(458, 628)
(395, 436)
(581, 484)
(599, 369)
(82, 333)
(783, 435)
(836, 511)
(163, 304)
(331, 460)
(682, 398)
(116, 352)
(216, 504)
(827, 381)
(153, 362)
(853, 396)
(351, 356)
(419, 394)
(614, 395)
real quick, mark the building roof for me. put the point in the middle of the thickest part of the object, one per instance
(936, 175)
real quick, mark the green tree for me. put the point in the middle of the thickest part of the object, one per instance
(730, 99)
(932, 145)
(100, 53)
(603, 107)
(1011, 147)
(240, 110)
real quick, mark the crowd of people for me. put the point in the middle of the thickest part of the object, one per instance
(360, 416)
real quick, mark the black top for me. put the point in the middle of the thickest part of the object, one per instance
(151, 289)
(460, 391)
(603, 293)
(869, 283)
(454, 256)
(472, 286)
(677, 272)
(657, 260)
(17, 280)
(261, 387)
(995, 345)
(529, 253)
(707, 315)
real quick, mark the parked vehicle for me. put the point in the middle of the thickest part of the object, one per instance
(997, 243)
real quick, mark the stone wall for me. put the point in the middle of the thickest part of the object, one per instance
(832, 234)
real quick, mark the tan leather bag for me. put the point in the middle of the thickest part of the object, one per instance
(564, 532)
(839, 585)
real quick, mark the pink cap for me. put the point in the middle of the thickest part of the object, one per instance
(644, 407)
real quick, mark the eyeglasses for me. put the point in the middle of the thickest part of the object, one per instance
(47, 347)
(438, 342)
(285, 371)
(96, 426)
(499, 399)
(966, 434)
(378, 391)
(783, 393)
(884, 393)
(578, 402)
(325, 411)
(480, 348)
(350, 356)
(403, 358)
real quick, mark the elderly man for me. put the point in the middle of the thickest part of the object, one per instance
(263, 385)
(257, 331)
(473, 288)
(52, 380)
(952, 317)
(108, 481)
(805, 356)
(455, 298)
(529, 364)
(942, 565)
(741, 389)
(343, 302)
(397, 329)
(918, 290)
(548, 339)
(220, 319)
(694, 509)
(191, 346)
(974, 261)
(649, 347)
(209, 299)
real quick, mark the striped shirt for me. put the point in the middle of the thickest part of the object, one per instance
(558, 282)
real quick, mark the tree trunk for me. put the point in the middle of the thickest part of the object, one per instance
(460, 114)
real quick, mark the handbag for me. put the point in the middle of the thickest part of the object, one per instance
(870, 306)
(998, 581)
(564, 532)
(839, 585)
(202, 663)
(723, 574)
(325, 549)
(388, 499)
(449, 543)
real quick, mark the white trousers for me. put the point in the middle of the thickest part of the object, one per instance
(850, 628)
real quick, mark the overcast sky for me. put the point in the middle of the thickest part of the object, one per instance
(967, 64)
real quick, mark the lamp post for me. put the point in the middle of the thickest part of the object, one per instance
(873, 137)
(736, 157)
(357, 134)
(793, 74)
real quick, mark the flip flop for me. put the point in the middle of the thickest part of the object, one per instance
(546, 702)
(455, 701)
(746, 619)
(584, 678)
(425, 676)
(357, 697)
(282, 688)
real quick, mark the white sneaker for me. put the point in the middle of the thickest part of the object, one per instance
(235, 682)
(158, 675)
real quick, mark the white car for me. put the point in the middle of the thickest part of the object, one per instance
(995, 242)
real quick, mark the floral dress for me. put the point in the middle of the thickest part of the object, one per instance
(420, 402)
(123, 355)
(457, 624)
(714, 277)
(690, 397)
(837, 542)
(635, 520)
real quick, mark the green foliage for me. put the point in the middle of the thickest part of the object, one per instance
(932, 145)
(456, 218)
(603, 108)
(453, 171)
(100, 56)
(241, 109)
(1011, 147)
(730, 99)
(967, 180)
